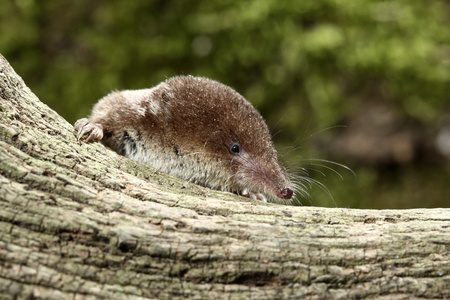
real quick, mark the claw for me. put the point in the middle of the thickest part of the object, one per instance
(94, 132)
(254, 196)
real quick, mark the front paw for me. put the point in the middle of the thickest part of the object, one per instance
(87, 131)
(254, 196)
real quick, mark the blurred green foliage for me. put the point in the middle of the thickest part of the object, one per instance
(306, 66)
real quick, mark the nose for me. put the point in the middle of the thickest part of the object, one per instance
(286, 193)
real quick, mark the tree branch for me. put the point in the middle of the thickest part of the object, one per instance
(79, 221)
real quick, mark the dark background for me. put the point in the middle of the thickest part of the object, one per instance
(362, 83)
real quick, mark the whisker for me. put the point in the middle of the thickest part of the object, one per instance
(325, 167)
(302, 140)
(332, 163)
(273, 135)
(325, 189)
(289, 150)
(321, 131)
(320, 172)
(311, 182)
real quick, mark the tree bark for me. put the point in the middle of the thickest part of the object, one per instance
(81, 222)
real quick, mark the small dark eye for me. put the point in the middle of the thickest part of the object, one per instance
(235, 148)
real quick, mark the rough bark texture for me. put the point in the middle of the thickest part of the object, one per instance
(78, 221)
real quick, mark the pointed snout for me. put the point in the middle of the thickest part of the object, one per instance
(286, 193)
